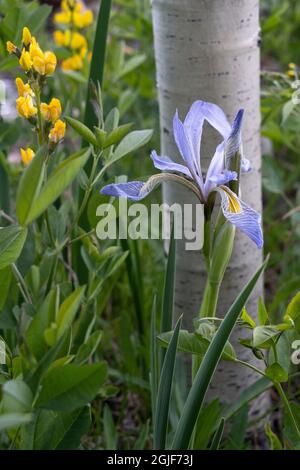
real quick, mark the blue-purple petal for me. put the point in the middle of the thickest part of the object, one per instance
(200, 111)
(245, 165)
(132, 190)
(234, 141)
(246, 219)
(165, 163)
(223, 178)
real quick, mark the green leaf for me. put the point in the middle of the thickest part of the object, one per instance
(14, 420)
(274, 441)
(12, 240)
(58, 181)
(262, 312)
(131, 142)
(88, 348)
(164, 391)
(247, 319)
(116, 135)
(65, 316)
(110, 432)
(16, 397)
(82, 130)
(132, 64)
(30, 185)
(207, 367)
(293, 308)
(5, 281)
(34, 334)
(263, 334)
(276, 373)
(218, 436)
(192, 343)
(71, 386)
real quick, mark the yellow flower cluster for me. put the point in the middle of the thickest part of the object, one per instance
(72, 13)
(45, 117)
(293, 70)
(76, 18)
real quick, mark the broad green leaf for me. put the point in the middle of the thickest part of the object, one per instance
(65, 316)
(164, 391)
(58, 181)
(276, 373)
(16, 397)
(263, 334)
(68, 387)
(116, 135)
(14, 420)
(82, 130)
(208, 365)
(30, 186)
(34, 334)
(12, 240)
(131, 142)
(132, 64)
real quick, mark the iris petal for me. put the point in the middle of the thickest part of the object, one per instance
(132, 190)
(241, 215)
(224, 177)
(166, 164)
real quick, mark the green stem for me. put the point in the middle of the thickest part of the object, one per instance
(22, 284)
(37, 93)
(288, 407)
(210, 299)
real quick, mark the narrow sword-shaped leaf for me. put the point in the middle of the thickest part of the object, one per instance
(164, 391)
(208, 366)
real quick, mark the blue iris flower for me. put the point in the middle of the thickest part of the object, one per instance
(188, 135)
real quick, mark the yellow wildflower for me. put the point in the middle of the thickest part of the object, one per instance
(25, 60)
(78, 41)
(25, 106)
(45, 65)
(35, 50)
(23, 88)
(292, 66)
(57, 132)
(63, 17)
(291, 73)
(72, 63)
(62, 39)
(51, 111)
(26, 38)
(27, 155)
(82, 20)
(11, 48)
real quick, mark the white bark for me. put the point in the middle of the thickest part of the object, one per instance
(209, 50)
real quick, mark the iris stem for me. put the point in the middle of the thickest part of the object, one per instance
(210, 299)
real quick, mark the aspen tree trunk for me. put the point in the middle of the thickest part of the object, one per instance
(209, 50)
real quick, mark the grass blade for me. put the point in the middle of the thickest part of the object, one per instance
(98, 59)
(208, 365)
(164, 391)
(218, 436)
(153, 358)
(166, 321)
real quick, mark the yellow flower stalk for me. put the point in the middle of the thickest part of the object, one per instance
(25, 106)
(25, 60)
(62, 38)
(23, 88)
(11, 48)
(57, 132)
(51, 111)
(35, 50)
(63, 17)
(27, 155)
(82, 20)
(26, 37)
